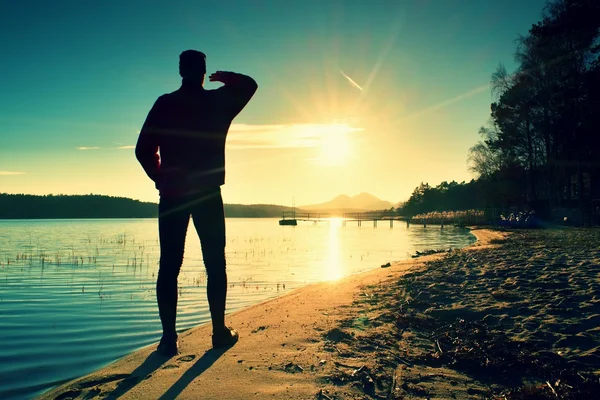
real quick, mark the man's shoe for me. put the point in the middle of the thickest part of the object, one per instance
(227, 338)
(168, 348)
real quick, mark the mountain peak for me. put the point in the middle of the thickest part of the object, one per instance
(361, 202)
(365, 196)
(341, 197)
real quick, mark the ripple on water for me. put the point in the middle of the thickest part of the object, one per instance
(82, 292)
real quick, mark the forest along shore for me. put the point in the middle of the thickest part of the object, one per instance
(514, 316)
(519, 319)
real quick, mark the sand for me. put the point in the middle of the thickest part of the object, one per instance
(514, 314)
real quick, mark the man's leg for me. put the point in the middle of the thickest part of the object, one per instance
(173, 220)
(209, 220)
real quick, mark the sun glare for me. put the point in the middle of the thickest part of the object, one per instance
(334, 144)
(333, 261)
(334, 148)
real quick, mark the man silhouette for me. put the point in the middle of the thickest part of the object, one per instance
(182, 149)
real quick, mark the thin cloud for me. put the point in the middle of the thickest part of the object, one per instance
(87, 148)
(7, 173)
(290, 136)
(351, 81)
(273, 136)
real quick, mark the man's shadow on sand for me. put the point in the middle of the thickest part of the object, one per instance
(154, 361)
(204, 363)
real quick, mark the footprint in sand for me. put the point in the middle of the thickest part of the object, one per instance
(86, 384)
(110, 378)
(260, 328)
(188, 358)
(185, 359)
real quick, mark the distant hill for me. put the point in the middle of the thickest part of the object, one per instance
(344, 203)
(26, 206)
(254, 210)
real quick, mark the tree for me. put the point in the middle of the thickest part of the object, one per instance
(543, 122)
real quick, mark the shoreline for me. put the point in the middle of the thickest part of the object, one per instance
(280, 353)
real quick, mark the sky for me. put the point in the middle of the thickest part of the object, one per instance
(354, 96)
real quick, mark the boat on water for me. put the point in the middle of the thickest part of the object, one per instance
(288, 222)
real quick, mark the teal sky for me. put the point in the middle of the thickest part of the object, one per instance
(354, 96)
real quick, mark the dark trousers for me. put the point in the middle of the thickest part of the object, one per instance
(207, 214)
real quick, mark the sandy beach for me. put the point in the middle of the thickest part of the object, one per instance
(515, 316)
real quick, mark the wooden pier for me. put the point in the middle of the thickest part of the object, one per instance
(373, 216)
(291, 217)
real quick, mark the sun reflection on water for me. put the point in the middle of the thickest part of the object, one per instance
(333, 268)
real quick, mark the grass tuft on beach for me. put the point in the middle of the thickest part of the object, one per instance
(516, 320)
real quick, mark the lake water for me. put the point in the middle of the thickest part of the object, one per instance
(75, 295)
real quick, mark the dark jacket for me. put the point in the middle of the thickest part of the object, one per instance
(182, 143)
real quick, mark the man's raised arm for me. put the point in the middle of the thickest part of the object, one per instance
(240, 89)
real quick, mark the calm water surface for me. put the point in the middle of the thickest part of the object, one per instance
(75, 295)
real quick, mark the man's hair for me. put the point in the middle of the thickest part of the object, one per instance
(192, 63)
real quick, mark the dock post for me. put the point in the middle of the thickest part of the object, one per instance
(391, 223)
(375, 223)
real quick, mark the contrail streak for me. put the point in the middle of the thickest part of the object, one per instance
(356, 85)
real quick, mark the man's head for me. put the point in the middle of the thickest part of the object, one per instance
(192, 64)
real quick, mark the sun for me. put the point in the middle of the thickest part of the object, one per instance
(334, 144)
